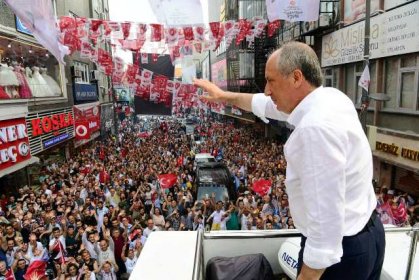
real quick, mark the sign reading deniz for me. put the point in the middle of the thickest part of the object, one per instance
(14, 143)
(85, 92)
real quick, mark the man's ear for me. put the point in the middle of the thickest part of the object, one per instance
(298, 78)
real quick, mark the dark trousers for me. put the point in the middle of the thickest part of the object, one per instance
(363, 254)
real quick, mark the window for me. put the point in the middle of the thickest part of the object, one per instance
(330, 77)
(81, 72)
(401, 82)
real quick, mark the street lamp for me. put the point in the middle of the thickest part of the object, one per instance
(378, 97)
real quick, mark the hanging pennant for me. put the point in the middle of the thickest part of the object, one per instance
(116, 30)
(188, 33)
(141, 31)
(272, 27)
(144, 58)
(171, 35)
(156, 32)
(126, 27)
(215, 29)
(95, 24)
(199, 33)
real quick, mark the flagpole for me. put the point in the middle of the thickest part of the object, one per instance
(365, 97)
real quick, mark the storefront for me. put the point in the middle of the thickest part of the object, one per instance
(15, 153)
(396, 159)
(49, 135)
(87, 123)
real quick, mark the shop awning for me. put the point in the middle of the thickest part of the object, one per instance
(19, 166)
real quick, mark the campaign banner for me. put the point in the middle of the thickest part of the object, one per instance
(392, 33)
(14, 143)
(86, 122)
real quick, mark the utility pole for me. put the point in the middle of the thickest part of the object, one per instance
(365, 100)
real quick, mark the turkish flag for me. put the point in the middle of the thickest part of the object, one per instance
(9, 275)
(36, 270)
(262, 186)
(167, 180)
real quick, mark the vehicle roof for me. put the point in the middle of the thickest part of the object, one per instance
(204, 155)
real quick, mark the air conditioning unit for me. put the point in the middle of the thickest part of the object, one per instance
(325, 20)
(94, 75)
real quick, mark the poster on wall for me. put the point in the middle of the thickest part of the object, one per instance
(14, 143)
(355, 9)
(122, 94)
(392, 33)
(86, 122)
(219, 73)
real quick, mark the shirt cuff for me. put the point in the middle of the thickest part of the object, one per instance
(259, 102)
(321, 258)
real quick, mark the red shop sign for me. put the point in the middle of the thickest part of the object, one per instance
(51, 123)
(14, 143)
(87, 120)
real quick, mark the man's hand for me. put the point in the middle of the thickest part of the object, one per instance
(215, 94)
(308, 273)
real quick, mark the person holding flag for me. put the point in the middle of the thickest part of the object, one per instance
(57, 245)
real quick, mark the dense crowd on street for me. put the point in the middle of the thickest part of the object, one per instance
(91, 215)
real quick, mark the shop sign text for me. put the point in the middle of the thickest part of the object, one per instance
(51, 123)
(395, 150)
(14, 142)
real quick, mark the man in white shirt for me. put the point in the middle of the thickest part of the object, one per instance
(329, 170)
(219, 217)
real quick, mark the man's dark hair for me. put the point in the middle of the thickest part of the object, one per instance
(55, 229)
(297, 55)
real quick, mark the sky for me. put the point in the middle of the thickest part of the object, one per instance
(139, 11)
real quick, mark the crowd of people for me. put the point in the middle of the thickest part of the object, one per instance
(91, 215)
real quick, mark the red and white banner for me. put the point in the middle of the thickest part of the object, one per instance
(86, 122)
(14, 143)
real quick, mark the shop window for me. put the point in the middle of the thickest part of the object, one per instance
(81, 71)
(330, 77)
(247, 69)
(28, 71)
(401, 83)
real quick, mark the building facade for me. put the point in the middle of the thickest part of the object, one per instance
(38, 92)
(338, 39)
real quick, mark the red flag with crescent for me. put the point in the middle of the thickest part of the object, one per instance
(167, 180)
(262, 186)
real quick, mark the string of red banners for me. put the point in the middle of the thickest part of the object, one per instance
(77, 32)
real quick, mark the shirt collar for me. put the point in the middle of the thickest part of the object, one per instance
(303, 107)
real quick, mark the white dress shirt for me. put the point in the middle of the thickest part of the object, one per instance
(329, 173)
